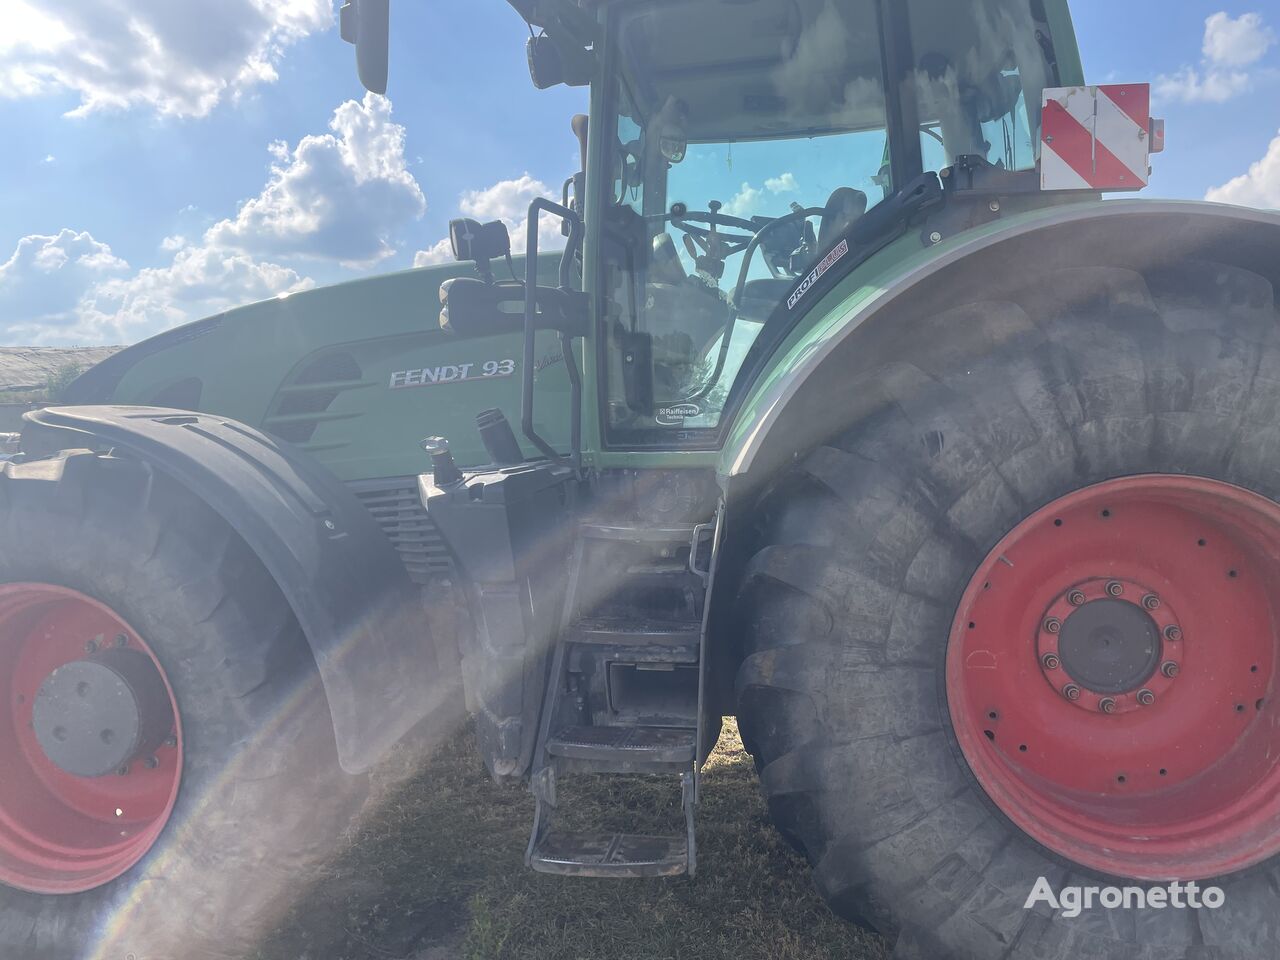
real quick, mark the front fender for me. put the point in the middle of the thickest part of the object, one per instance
(345, 583)
(809, 392)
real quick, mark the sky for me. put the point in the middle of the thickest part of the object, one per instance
(168, 159)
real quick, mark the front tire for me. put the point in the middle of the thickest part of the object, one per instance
(860, 586)
(91, 540)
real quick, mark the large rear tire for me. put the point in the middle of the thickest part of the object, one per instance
(222, 819)
(876, 553)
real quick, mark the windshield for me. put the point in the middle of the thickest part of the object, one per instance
(730, 178)
(748, 139)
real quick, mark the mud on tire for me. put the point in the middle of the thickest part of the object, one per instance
(866, 546)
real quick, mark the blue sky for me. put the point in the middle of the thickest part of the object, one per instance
(192, 155)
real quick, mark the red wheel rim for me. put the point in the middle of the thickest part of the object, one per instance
(1110, 672)
(62, 833)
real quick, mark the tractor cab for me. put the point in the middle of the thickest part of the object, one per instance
(742, 158)
(735, 174)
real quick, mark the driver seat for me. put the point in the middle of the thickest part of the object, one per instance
(844, 206)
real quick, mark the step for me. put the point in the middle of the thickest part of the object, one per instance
(610, 855)
(637, 533)
(624, 747)
(636, 633)
(660, 569)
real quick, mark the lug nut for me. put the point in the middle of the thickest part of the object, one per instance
(151, 763)
(1107, 705)
(1052, 625)
(1169, 669)
(1146, 697)
(1051, 661)
(91, 646)
(170, 741)
(121, 640)
(1173, 633)
(1151, 601)
(1115, 588)
(1071, 691)
(123, 771)
(1075, 598)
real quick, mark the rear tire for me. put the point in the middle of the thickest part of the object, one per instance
(261, 797)
(867, 546)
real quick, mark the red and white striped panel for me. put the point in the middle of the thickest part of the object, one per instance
(1096, 138)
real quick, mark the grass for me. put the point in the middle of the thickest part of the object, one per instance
(436, 872)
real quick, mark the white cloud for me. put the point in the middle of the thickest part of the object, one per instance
(178, 57)
(199, 282)
(339, 196)
(1239, 42)
(1229, 46)
(745, 202)
(1260, 187)
(439, 252)
(336, 196)
(49, 158)
(71, 289)
(1202, 86)
(41, 283)
(508, 201)
(783, 184)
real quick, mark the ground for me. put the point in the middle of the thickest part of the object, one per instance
(29, 369)
(435, 872)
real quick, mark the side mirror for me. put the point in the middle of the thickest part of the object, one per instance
(560, 54)
(472, 240)
(671, 124)
(367, 24)
(546, 67)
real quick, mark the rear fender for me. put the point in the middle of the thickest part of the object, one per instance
(816, 388)
(348, 588)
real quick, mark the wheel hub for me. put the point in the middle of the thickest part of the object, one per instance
(1110, 675)
(93, 717)
(1110, 645)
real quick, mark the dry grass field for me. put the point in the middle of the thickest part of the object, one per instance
(435, 872)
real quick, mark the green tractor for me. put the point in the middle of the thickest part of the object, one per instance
(848, 409)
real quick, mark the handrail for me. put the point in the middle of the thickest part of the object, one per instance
(530, 317)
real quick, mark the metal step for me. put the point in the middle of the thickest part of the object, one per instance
(610, 855)
(620, 700)
(623, 749)
(637, 533)
(636, 633)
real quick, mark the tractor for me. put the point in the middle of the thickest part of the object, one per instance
(849, 408)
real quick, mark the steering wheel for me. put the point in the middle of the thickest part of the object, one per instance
(708, 246)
